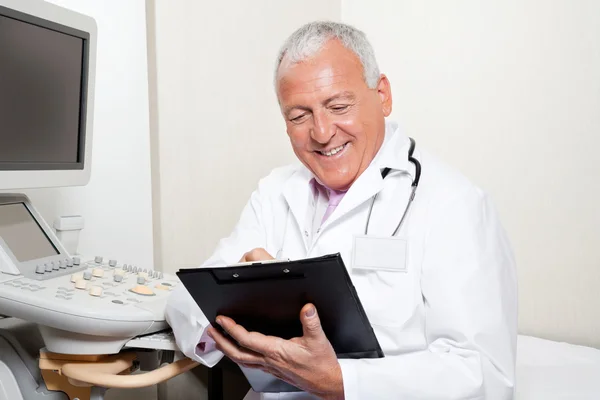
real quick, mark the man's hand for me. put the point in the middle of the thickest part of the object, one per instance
(307, 362)
(258, 254)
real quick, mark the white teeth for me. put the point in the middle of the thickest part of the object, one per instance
(333, 151)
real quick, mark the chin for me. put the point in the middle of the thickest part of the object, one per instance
(337, 184)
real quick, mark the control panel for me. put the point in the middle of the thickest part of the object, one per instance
(82, 306)
(104, 305)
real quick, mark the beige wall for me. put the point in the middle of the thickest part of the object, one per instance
(509, 92)
(215, 120)
(116, 204)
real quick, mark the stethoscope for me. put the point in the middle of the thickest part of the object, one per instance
(384, 173)
(414, 185)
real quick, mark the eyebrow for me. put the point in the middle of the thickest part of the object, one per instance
(296, 107)
(342, 95)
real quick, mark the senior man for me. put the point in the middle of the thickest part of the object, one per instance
(436, 276)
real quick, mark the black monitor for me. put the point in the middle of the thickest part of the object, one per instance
(45, 85)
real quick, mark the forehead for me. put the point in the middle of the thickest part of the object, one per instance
(332, 69)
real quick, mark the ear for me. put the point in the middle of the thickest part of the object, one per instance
(384, 90)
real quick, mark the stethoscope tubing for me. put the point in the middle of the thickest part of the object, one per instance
(414, 185)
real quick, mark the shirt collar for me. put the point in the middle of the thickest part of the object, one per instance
(318, 188)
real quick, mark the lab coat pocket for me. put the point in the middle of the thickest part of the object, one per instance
(384, 280)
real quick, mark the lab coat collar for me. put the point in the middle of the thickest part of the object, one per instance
(394, 150)
(392, 154)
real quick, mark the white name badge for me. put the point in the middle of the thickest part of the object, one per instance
(379, 252)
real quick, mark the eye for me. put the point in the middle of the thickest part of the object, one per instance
(299, 118)
(339, 108)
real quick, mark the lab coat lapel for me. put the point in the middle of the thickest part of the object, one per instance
(298, 196)
(366, 186)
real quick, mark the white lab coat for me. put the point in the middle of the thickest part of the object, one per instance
(447, 325)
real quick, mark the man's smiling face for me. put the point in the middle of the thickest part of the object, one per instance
(335, 122)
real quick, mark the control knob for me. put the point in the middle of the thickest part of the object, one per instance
(142, 290)
(96, 291)
(81, 284)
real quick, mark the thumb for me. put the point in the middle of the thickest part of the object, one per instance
(311, 324)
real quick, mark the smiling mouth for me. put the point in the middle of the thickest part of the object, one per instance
(334, 151)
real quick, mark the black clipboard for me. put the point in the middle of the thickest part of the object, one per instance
(267, 297)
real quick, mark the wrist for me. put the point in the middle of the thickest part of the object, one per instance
(336, 387)
(334, 396)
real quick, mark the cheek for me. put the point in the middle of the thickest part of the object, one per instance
(298, 138)
(349, 126)
(352, 124)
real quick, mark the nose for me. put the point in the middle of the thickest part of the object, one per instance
(323, 129)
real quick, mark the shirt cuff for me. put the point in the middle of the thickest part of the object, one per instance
(350, 379)
(206, 350)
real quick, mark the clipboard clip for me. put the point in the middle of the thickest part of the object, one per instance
(255, 273)
(246, 263)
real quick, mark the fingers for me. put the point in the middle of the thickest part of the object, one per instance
(311, 324)
(238, 354)
(251, 340)
(258, 254)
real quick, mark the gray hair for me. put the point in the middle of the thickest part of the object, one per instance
(310, 39)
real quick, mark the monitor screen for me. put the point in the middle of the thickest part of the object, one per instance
(23, 235)
(42, 88)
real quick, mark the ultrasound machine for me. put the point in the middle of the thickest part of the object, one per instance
(100, 319)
